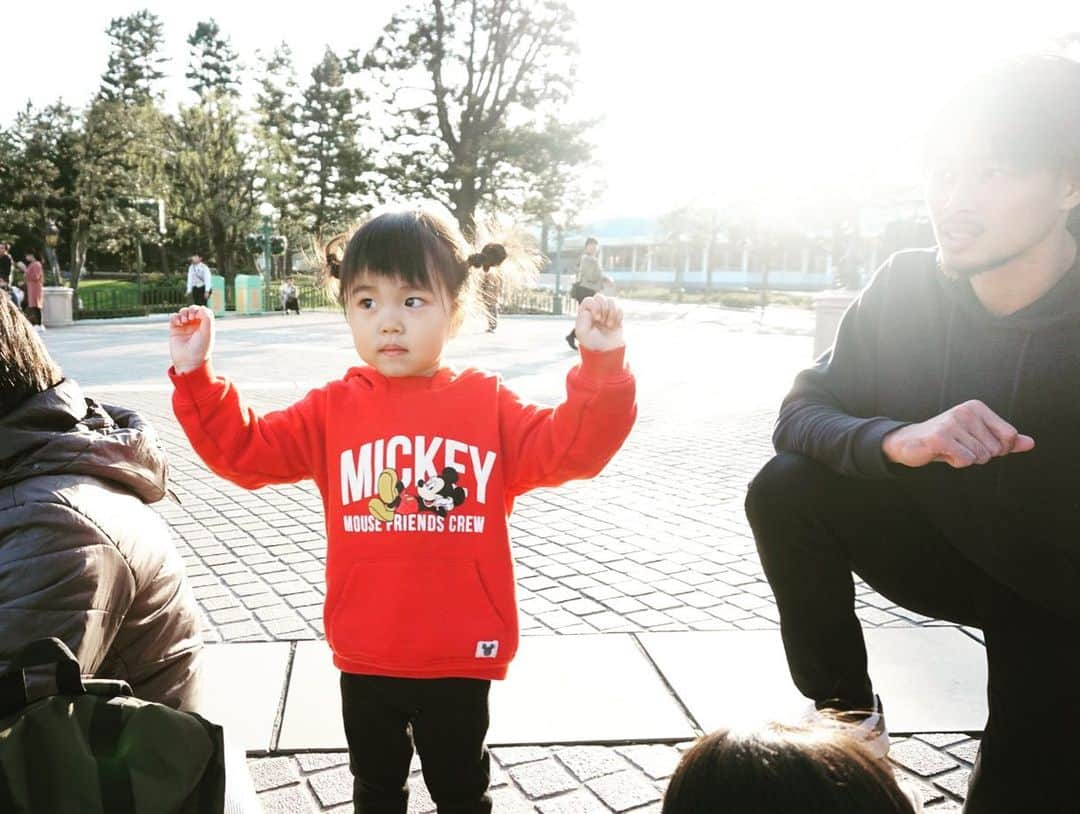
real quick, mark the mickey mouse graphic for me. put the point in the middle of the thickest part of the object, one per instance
(440, 494)
(392, 498)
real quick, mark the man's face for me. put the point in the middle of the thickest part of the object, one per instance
(590, 249)
(985, 211)
(196, 259)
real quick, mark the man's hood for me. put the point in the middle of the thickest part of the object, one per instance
(59, 431)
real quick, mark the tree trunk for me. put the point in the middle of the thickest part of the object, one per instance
(464, 200)
(79, 247)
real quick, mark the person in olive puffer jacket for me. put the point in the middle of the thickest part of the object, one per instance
(82, 557)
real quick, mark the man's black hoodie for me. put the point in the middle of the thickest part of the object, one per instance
(916, 343)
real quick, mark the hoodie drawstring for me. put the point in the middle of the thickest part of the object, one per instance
(948, 354)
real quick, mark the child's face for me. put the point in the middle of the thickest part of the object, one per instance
(398, 330)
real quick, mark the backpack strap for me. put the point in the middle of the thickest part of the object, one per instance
(114, 779)
(52, 652)
(12, 693)
(7, 799)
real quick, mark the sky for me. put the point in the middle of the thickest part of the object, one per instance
(703, 102)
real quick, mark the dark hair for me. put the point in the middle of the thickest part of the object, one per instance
(25, 365)
(421, 246)
(778, 770)
(493, 254)
(592, 241)
(1028, 108)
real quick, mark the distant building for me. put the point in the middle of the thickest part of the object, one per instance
(635, 252)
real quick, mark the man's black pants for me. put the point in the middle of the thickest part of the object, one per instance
(814, 528)
(198, 294)
(445, 718)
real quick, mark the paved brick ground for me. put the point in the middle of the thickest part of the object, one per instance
(586, 779)
(658, 542)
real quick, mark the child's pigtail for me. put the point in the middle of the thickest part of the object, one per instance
(491, 256)
(329, 258)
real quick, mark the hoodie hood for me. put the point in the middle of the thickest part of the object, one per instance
(59, 431)
(1058, 306)
(372, 379)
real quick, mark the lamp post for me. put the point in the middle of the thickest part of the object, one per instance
(52, 238)
(558, 219)
(266, 209)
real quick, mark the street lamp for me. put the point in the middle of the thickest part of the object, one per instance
(52, 239)
(558, 219)
(266, 209)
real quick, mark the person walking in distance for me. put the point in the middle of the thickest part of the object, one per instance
(589, 280)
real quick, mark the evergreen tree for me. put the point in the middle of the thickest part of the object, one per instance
(135, 58)
(330, 159)
(104, 168)
(278, 122)
(213, 179)
(212, 65)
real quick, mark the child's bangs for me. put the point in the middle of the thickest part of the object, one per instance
(395, 245)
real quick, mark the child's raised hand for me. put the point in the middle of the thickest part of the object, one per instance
(599, 324)
(191, 337)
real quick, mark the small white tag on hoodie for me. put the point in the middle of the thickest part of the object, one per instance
(487, 650)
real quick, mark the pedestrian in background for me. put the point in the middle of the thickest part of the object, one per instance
(5, 263)
(590, 279)
(35, 289)
(199, 282)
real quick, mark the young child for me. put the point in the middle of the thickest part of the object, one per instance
(418, 466)
(780, 769)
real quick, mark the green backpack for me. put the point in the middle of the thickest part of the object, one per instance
(92, 748)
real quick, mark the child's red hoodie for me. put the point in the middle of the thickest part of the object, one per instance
(418, 477)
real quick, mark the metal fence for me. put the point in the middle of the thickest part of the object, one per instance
(537, 301)
(309, 297)
(96, 303)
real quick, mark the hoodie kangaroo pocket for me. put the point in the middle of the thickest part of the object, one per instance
(411, 613)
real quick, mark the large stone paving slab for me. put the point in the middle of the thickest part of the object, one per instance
(579, 689)
(573, 689)
(929, 679)
(244, 684)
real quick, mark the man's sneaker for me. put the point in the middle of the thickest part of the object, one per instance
(866, 728)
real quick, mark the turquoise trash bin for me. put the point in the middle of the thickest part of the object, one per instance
(216, 303)
(248, 294)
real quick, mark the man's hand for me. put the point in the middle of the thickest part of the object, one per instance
(599, 324)
(191, 337)
(970, 433)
